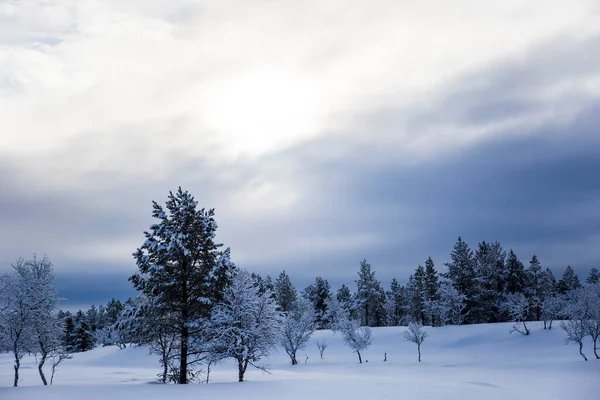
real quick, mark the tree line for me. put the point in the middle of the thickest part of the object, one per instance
(195, 308)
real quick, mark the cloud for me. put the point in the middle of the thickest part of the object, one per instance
(322, 133)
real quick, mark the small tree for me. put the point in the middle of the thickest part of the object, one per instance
(552, 308)
(246, 325)
(56, 358)
(518, 306)
(297, 328)
(356, 337)
(321, 345)
(576, 331)
(415, 333)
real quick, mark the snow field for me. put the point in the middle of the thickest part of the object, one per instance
(459, 362)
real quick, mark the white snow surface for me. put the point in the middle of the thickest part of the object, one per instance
(459, 362)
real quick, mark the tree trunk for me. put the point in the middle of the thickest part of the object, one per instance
(581, 351)
(184, 354)
(52, 376)
(359, 357)
(165, 368)
(41, 366)
(419, 350)
(596, 348)
(242, 365)
(17, 365)
(294, 361)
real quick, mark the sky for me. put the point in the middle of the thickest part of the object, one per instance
(321, 132)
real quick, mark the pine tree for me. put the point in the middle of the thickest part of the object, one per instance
(432, 287)
(319, 294)
(344, 297)
(82, 333)
(285, 292)
(182, 270)
(515, 281)
(416, 296)
(368, 295)
(569, 281)
(462, 276)
(396, 297)
(491, 276)
(594, 277)
(533, 286)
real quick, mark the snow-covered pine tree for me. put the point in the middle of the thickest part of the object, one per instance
(462, 276)
(569, 281)
(396, 303)
(245, 325)
(83, 336)
(297, 327)
(533, 288)
(344, 297)
(491, 276)
(594, 277)
(415, 296)
(432, 287)
(319, 294)
(182, 270)
(285, 292)
(368, 296)
(515, 281)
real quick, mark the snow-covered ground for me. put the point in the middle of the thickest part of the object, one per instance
(466, 362)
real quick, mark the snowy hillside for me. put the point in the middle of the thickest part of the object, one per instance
(459, 362)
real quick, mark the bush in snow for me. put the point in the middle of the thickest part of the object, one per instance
(415, 333)
(297, 328)
(246, 325)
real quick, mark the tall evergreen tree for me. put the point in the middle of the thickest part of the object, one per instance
(491, 278)
(432, 288)
(593, 277)
(569, 281)
(182, 270)
(396, 303)
(462, 276)
(368, 294)
(515, 281)
(533, 286)
(344, 297)
(285, 292)
(415, 293)
(319, 294)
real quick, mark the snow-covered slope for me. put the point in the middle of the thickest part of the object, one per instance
(466, 362)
